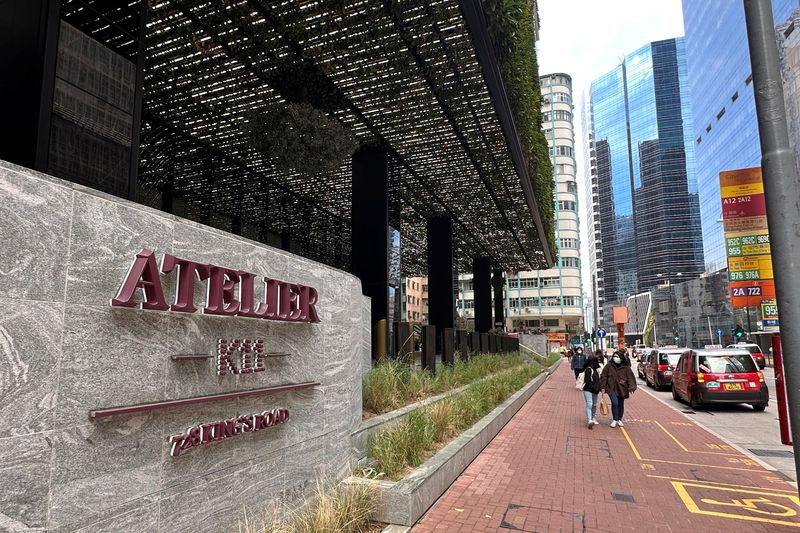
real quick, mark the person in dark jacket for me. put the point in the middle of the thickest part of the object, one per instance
(591, 386)
(578, 362)
(619, 382)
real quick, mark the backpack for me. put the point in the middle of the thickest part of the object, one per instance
(580, 381)
(593, 385)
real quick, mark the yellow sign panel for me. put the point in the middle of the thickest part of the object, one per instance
(742, 189)
(753, 223)
(755, 249)
(761, 263)
(754, 505)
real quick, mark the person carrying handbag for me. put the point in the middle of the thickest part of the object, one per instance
(591, 386)
(619, 382)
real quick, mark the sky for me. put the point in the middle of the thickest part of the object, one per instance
(586, 39)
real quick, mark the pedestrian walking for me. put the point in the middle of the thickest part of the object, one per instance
(578, 362)
(619, 382)
(601, 358)
(591, 388)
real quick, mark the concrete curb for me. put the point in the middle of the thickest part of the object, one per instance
(403, 502)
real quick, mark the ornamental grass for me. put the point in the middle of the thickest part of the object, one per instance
(393, 384)
(334, 509)
(409, 442)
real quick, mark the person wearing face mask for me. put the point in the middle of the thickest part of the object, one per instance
(619, 382)
(578, 362)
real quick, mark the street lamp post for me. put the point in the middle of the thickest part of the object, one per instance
(781, 191)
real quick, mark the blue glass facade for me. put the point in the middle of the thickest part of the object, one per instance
(723, 107)
(648, 205)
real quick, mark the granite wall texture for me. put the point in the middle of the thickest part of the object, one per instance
(65, 351)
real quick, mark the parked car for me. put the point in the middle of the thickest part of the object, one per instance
(719, 376)
(660, 366)
(755, 351)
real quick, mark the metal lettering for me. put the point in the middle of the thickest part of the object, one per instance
(143, 274)
(225, 429)
(228, 292)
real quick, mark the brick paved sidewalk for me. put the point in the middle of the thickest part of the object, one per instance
(546, 471)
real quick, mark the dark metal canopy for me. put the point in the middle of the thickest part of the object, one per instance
(418, 77)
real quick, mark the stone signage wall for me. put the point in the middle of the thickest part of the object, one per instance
(66, 352)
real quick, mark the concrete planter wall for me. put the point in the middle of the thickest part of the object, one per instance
(66, 250)
(403, 502)
(360, 437)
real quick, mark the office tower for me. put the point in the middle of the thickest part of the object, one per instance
(646, 200)
(592, 219)
(723, 107)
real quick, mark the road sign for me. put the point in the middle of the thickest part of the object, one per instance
(744, 217)
(601, 333)
(719, 332)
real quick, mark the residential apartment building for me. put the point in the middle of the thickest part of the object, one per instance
(646, 202)
(414, 300)
(725, 132)
(551, 299)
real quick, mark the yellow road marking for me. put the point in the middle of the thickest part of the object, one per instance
(630, 443)
(639, 457)
(684, 448)
(722, 484)
(759, 504)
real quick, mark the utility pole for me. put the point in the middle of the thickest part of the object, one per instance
(782, 194)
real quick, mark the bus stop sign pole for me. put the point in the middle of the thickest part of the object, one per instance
(782, 194)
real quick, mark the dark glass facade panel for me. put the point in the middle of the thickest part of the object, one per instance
(718, 63)
(650, 227)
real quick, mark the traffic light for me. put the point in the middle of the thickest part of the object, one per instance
(677, 338)
(738, 332)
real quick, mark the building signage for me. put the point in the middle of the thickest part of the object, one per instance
(228, 291)
(744, 214)
(224, 429)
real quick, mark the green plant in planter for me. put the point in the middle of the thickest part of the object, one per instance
(510, 24)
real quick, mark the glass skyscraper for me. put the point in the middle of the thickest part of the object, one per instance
(647, 202)
(723, 107)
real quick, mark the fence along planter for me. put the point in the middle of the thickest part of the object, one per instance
(405, 501)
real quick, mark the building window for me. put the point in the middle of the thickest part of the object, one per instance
(572, 187)
(558, 114)
(424, 288)
(735, 96)
(563, 98)
(708, 128)
(551, 282)
(721, 112)
(699, 140)
(749, 80)
(570, 262)
(564, 151)
(569, 243)
(566, 205)
(551, 322)
(571, 301)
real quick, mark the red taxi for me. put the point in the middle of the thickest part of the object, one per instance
(755, 351)
(719, 376)
(660, 365)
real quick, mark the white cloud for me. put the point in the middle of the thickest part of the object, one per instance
(586, 39)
